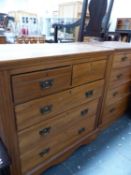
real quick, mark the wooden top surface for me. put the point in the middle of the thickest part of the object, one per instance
(16, 52)
(117, 45)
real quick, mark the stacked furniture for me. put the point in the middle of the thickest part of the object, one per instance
(55, 98)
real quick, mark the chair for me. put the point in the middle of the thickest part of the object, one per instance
(98, 24)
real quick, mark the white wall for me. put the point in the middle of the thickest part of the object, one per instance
(121, 9)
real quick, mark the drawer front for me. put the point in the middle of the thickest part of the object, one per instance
(122, 60)
(88, 72)
(80, 128)
(116, 94)
(33, 85)
(120, 76)
(45, 108)
(44, 132)
(41, 153)
(115, 110)
(57, 144)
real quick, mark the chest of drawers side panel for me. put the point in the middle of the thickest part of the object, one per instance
(9, 134)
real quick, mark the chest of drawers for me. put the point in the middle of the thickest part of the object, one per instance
(50, 104)
(54, 98)
(118, 83)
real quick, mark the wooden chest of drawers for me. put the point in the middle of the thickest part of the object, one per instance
(118, 83)
(52, 110)
(53, 102)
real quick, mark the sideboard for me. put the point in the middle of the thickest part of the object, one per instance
(57, 97)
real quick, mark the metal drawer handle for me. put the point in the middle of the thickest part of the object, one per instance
(44, 152)
(84, 112)
(115, 94)
(46, 109)
(45, 131)
(119, 76)
(81, 130)
(124, 58)
(89, 93)
(46, 84)
(112, 110)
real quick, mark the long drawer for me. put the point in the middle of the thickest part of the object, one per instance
(117, 93)
(87, 72)
(120, 76)
(114, 110)
(122, 60)
(37, 84)
(42, 109)
(45, 150)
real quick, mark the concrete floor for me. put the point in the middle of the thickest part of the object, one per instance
(109, 154)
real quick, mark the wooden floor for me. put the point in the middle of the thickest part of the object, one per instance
(110, 154)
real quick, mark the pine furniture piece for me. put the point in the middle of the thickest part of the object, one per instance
(119, 82)
(54, 99)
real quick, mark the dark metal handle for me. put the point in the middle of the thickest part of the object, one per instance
(119, 76)
(46, 109)
(115, 94)
(46, 84)
(124, 58)
(89, 93)
(44, 152)
(112, 110)
(81, 130)
(84, 112)
(45, 131)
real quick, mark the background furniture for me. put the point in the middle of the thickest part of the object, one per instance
(2, 40)
(98, 23)
(123, 29)
(70, 11)
(30, 40)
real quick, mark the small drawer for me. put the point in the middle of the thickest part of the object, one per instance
(43, 132)
(45, 108)
(116, 94)
(115, 110)
(37, 84)
(80, 128)
(36, 148)
(87, 72)
(120, 76)
(122, 60)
